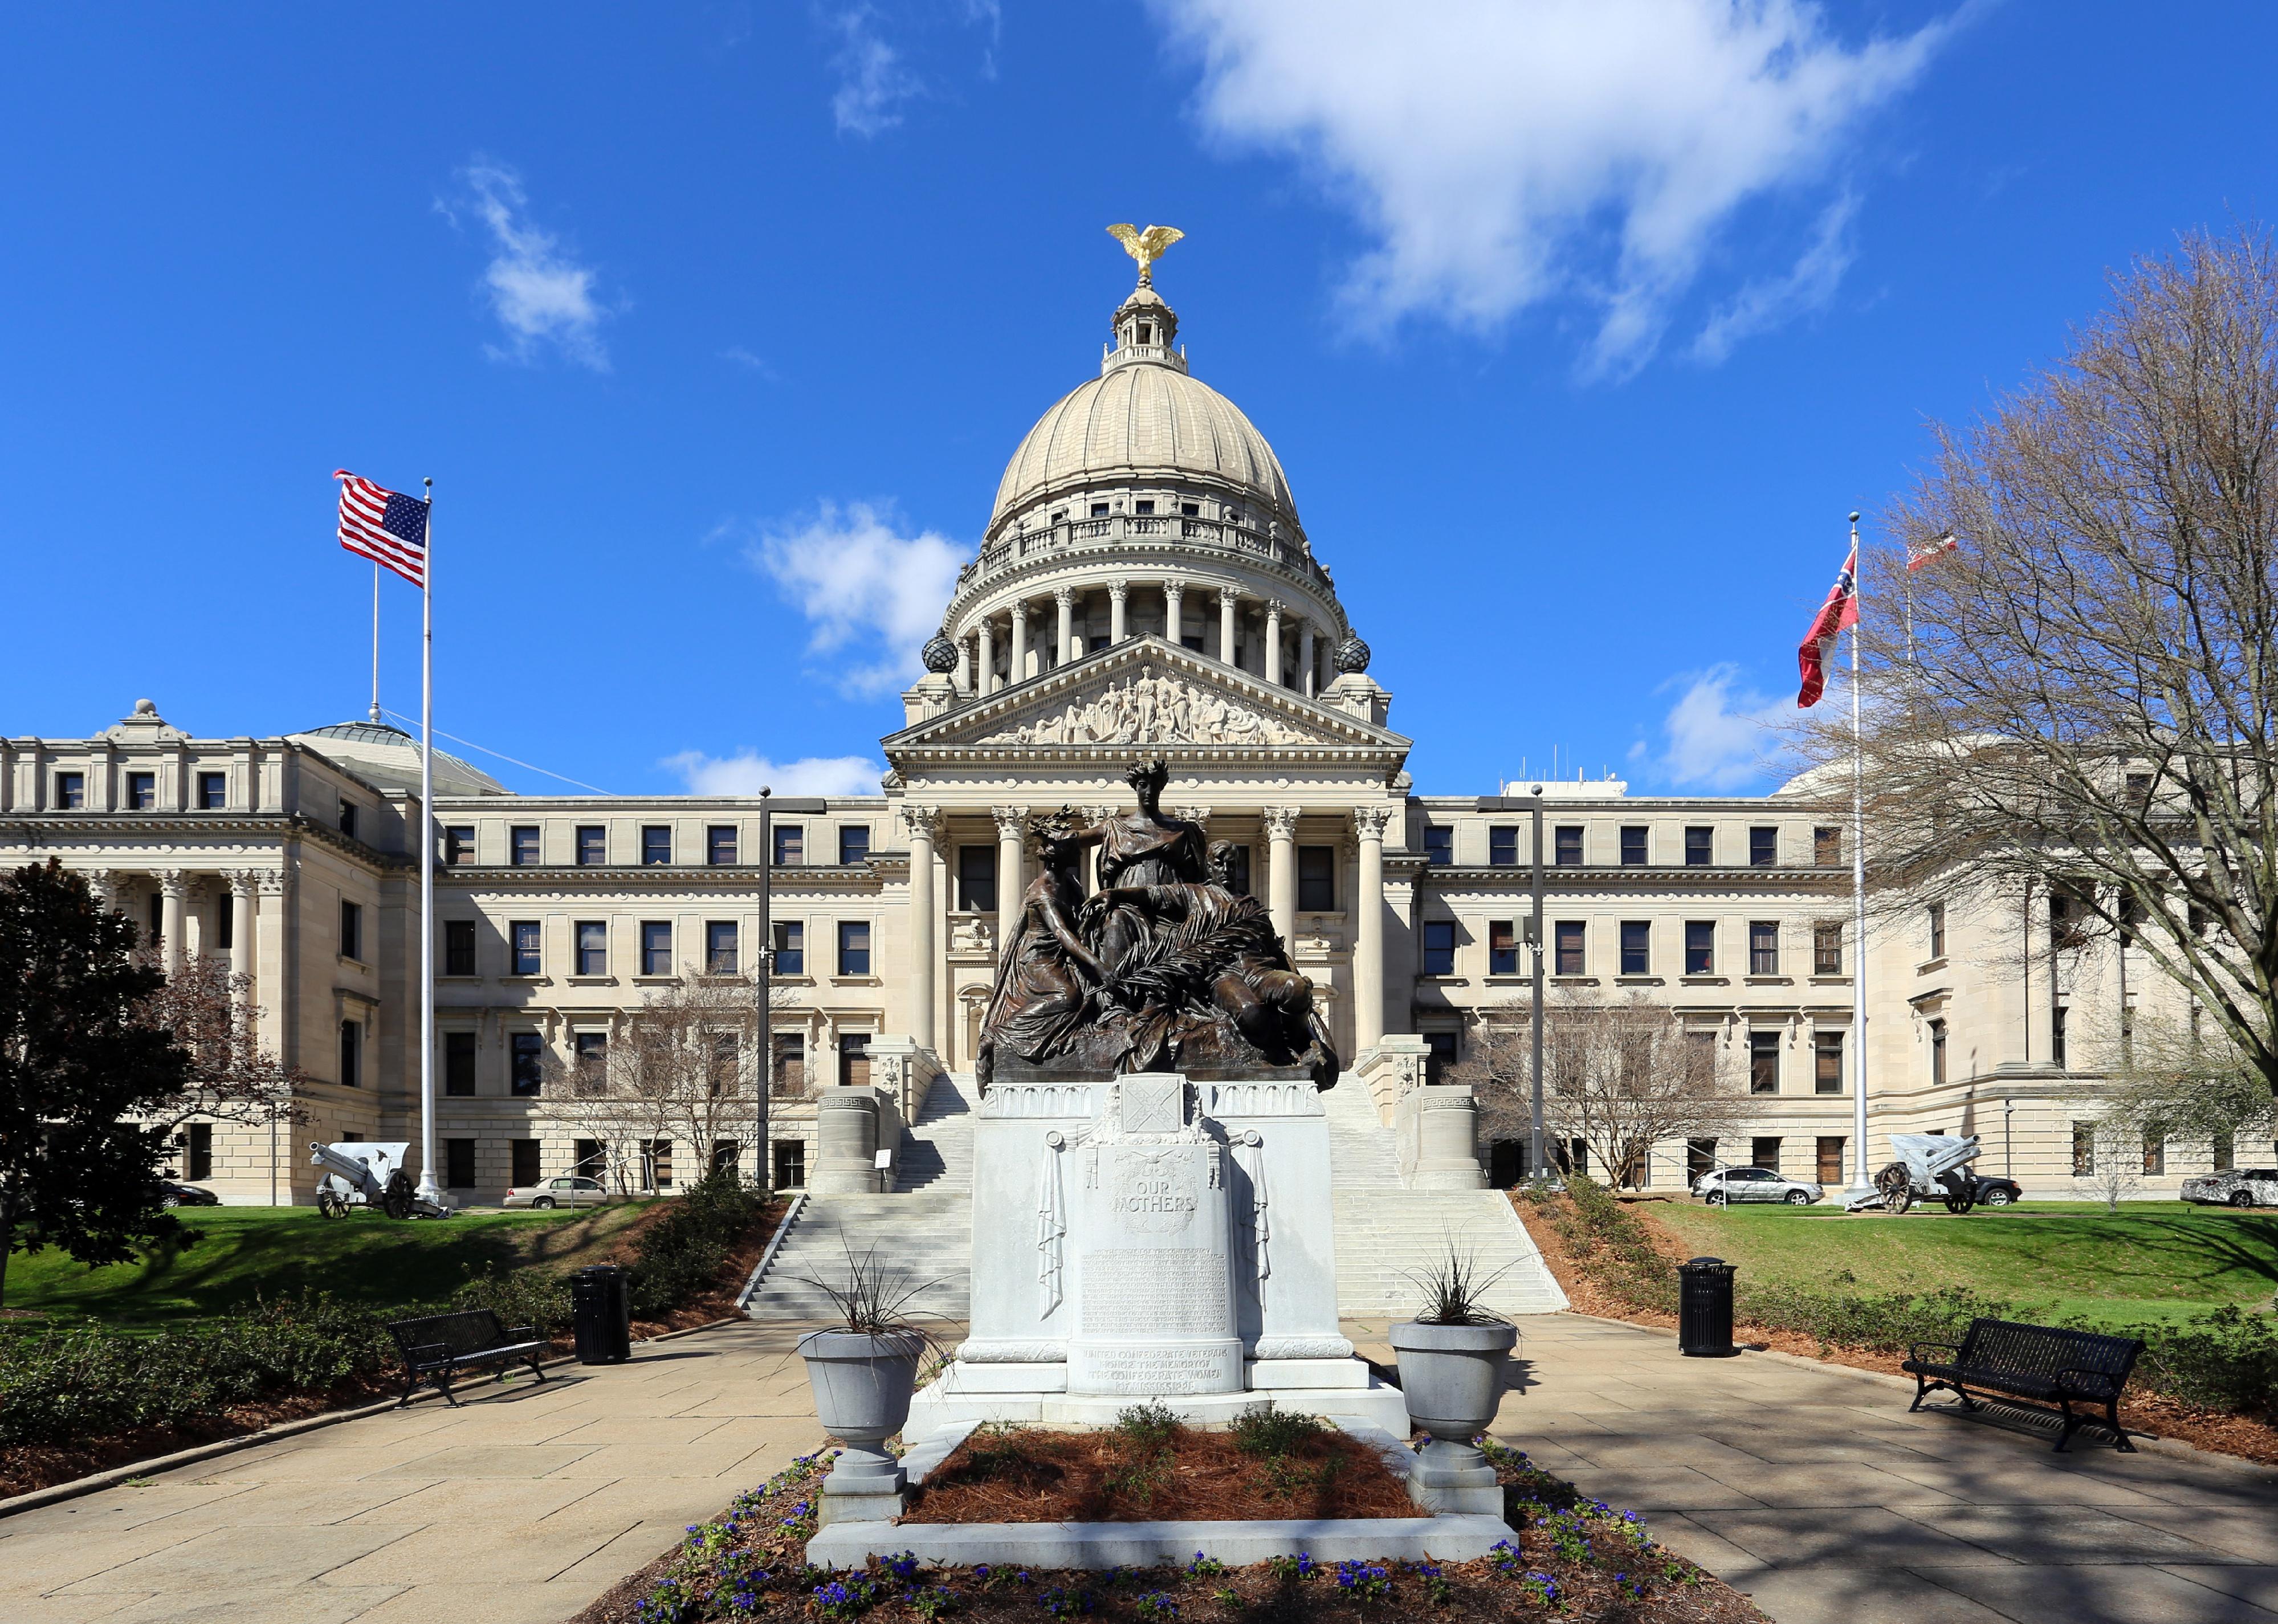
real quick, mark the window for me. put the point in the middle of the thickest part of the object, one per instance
(1567, 960)
(589, 1159)
(1438, 947)
(1763, 1062)
(727, 1156)
(1763, 947)
(527, 1065)
(656, 844)
(1637, 944)
(458, 845)
(2139, 787)
(1699, 1158)
(352, 931)
(347, 818)
(197, 1151)
(1317, 879)
(2083, 1150)
(1634, 845)
(657, 1153)
(976, 878)
(592, 845)
(459, 1063)
(1237, 870)
(1827, 950)
(656, 948)
(1827, 1063)
(1099, 510)
(1566, 845)
(2057, 1037)
(1503, 846)
(790, 1164)
(459, 1163)
(458, 947)
(853, 947)
(1439, 1055)
(1700, 846)
(224, 928)
(720, 955)
(523, 1164)
(1145, 504)
(1764, 1153)
(1502, 948)
(142, 793)
(1831, 1159)
(590, 1054)
(1827, 848)
(1937, 1052)
(790, 948)
(351, 1055)
(1438, 845)
(526, 957)
(2225, 1152)
(71, 791)
(1699, 947)
(1097, 642)
(1763, 846)
(213, 791)
(1191, 639)
(790, 1064)
(853, 844)
(720, 845)
(727, 1065)
(1937, 930)
(593, 948)
(2155, 1153)
(1700, 1056)
(791, 845)
(521, 845)
(854, 1059)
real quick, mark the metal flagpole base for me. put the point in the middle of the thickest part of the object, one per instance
(430, 1191)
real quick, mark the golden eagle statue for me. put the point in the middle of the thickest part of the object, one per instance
(1146, 246)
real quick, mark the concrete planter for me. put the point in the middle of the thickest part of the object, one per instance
(862, 1386)
(1452, 1375)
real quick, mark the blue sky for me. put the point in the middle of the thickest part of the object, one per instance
(1579, 326)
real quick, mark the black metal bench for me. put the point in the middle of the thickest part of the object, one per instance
(2036, 1363)
(438, 1347)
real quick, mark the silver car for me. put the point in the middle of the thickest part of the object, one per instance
(2241, 1186)
(1728, 1184)
(575, 1191)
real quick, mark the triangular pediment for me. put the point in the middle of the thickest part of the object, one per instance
(1143, 693)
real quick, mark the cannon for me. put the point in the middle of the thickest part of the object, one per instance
(1929, 1166)
(368, 1173)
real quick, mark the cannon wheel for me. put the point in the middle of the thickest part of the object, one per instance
(398, 1199)
(330, 1205)
(1898, 1187)
(1961, 1192)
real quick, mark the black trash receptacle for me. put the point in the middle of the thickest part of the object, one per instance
(602, 1313)
(1704, 1308)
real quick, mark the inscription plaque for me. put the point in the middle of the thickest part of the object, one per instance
(1154, 1291)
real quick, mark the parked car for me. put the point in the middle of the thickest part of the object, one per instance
(573, 1191)
(1999, 1192)
(174, 1194)
(1753, 1184)
(2241, 1186)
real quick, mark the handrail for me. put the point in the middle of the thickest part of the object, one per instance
(790, 1218)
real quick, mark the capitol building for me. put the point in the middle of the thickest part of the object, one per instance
(1147, 587)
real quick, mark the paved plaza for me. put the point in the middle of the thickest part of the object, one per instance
(1809, 1488)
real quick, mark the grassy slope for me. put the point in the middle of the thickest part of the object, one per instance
(249, 1251)
(2153, 1260)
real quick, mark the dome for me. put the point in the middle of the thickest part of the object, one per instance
(388, 758)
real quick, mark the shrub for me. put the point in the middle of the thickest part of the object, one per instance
(678, 1257)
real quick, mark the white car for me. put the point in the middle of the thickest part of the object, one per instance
(1728, 1184)
(577, 1191)
(2241, 1186)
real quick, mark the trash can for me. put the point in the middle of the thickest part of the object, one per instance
(602, 1313)
(1704, 1308)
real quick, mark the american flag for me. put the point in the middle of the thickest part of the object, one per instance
(1921, 552)
(384, 526)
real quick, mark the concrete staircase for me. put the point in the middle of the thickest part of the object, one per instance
(936, 1151)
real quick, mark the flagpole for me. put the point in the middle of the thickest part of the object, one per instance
(429, 1190)
(1859, 1182)
(375, 640)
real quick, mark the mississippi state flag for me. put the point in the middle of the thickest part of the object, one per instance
(1840, 610)
(384, 526)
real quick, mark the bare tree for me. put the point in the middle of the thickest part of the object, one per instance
(2115, 1158)
(209, 1010)
(2170, 1079)
(2077, 701)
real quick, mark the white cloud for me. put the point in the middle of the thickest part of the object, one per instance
(744, 358)
(1499, 155)
(872, 593)
(539, 295)
(1721, 736)
(747, 773)
(1763, 305)
(873, 81)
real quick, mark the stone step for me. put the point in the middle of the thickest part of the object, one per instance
(935, 1153)
(1388, 1237)
(923, 1237)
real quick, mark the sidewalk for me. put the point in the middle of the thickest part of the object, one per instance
(519, 1507)
(1811, 1490)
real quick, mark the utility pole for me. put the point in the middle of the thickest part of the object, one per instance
(763, 961)
(1538, 1168)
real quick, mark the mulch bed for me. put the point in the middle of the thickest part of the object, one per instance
(1568, 1558)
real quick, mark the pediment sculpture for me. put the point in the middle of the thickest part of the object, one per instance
(1165, 968)
(1147, 708)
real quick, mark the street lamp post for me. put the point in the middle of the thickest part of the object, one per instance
(762, 964)
(1537, 1167)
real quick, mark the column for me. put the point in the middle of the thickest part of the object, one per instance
(985, 678)
(1282, 870)
(925, 921)
(1226, 600)
(964, 678)
(1117, 592)
(1019, 670)
(1306, 662)
(241, 959)
(1368, 929)
(1175, 613)
(268, 964)
(1012, 825)
(1273, 641)
(174, 885)
(1066, 649)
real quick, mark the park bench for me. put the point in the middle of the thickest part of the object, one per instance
(2036, 1363)
(437, 1346)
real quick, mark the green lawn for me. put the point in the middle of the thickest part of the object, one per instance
(2151, 1260)
(245, 1251)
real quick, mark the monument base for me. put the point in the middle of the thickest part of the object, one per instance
(1342, 1390)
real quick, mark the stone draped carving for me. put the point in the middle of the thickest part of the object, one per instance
(1151, 709)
